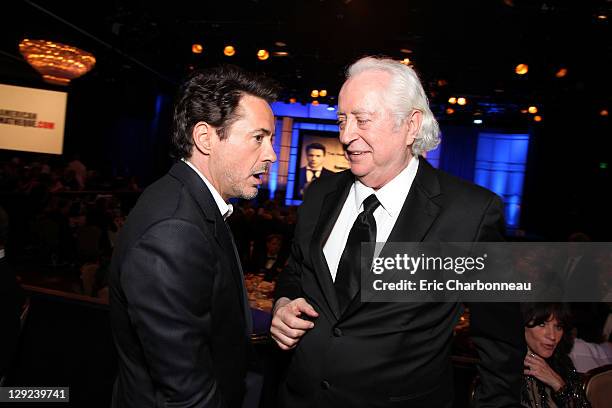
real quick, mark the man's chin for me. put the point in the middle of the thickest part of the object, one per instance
(248, 193)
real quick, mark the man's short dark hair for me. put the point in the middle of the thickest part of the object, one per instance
(212, 96)
(318, 146)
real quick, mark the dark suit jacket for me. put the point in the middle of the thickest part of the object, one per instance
(302, 180)
(177, 301)
(397, 354)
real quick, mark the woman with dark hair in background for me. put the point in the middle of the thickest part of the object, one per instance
(550, 379)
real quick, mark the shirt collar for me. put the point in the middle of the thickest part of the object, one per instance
(393, 194)
(226, 209)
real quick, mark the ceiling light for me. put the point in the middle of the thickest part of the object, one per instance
(561, 73)
(521, 69)
(229, 50)
(57, 63)
(263, 55)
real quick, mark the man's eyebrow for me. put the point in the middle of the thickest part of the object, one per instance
(357, 112)
(361, 112)
(265, 131)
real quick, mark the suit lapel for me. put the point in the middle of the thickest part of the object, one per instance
(199, 191)
(330, 210)
(415, 219)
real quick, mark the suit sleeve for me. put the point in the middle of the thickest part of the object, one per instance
(167, 278)
(498, 333)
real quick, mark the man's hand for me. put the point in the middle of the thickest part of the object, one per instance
(287, 326)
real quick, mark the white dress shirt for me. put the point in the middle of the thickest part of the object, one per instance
(587, 356)
(310, 173)
(226, 209)
(391, 197)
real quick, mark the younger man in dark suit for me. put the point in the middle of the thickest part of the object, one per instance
(314, 170)
(179, 313)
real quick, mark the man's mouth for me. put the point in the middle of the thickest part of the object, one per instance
(356, 153)
(259, 173)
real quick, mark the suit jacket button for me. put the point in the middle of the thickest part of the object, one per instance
(337, 332)
(325, 385)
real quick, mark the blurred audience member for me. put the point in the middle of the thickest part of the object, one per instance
(80, 171)
(11, 300)
(271, 261)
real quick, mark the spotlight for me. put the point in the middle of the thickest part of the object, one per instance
(323, 93)
(197, 48)
(263, 55)
(603, 112)
(450, 111)
(405, 61)
(292, 100)
(537, 118)
(280, 53)
(521, 69)
(452, 100)
(532, 109)
(229, 50)
(478, 121)
(315, 103)
(461, 101)
(561, 73)
(280, 44)
(314, 93)
(331, 108)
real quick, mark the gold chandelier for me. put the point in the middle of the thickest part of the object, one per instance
(57, 63)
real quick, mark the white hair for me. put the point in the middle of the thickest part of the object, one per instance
(404, 95)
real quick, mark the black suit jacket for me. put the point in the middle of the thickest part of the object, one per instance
(178, 310)
(397, 354)
(302, 180)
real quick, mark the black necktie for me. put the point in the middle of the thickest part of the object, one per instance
(348, 276)
(314, 175)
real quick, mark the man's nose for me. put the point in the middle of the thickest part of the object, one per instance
(269, 154)
(348, 134)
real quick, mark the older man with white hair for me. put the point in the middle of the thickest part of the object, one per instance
(349, 353)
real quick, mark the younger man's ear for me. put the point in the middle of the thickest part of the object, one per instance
(202, 135)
